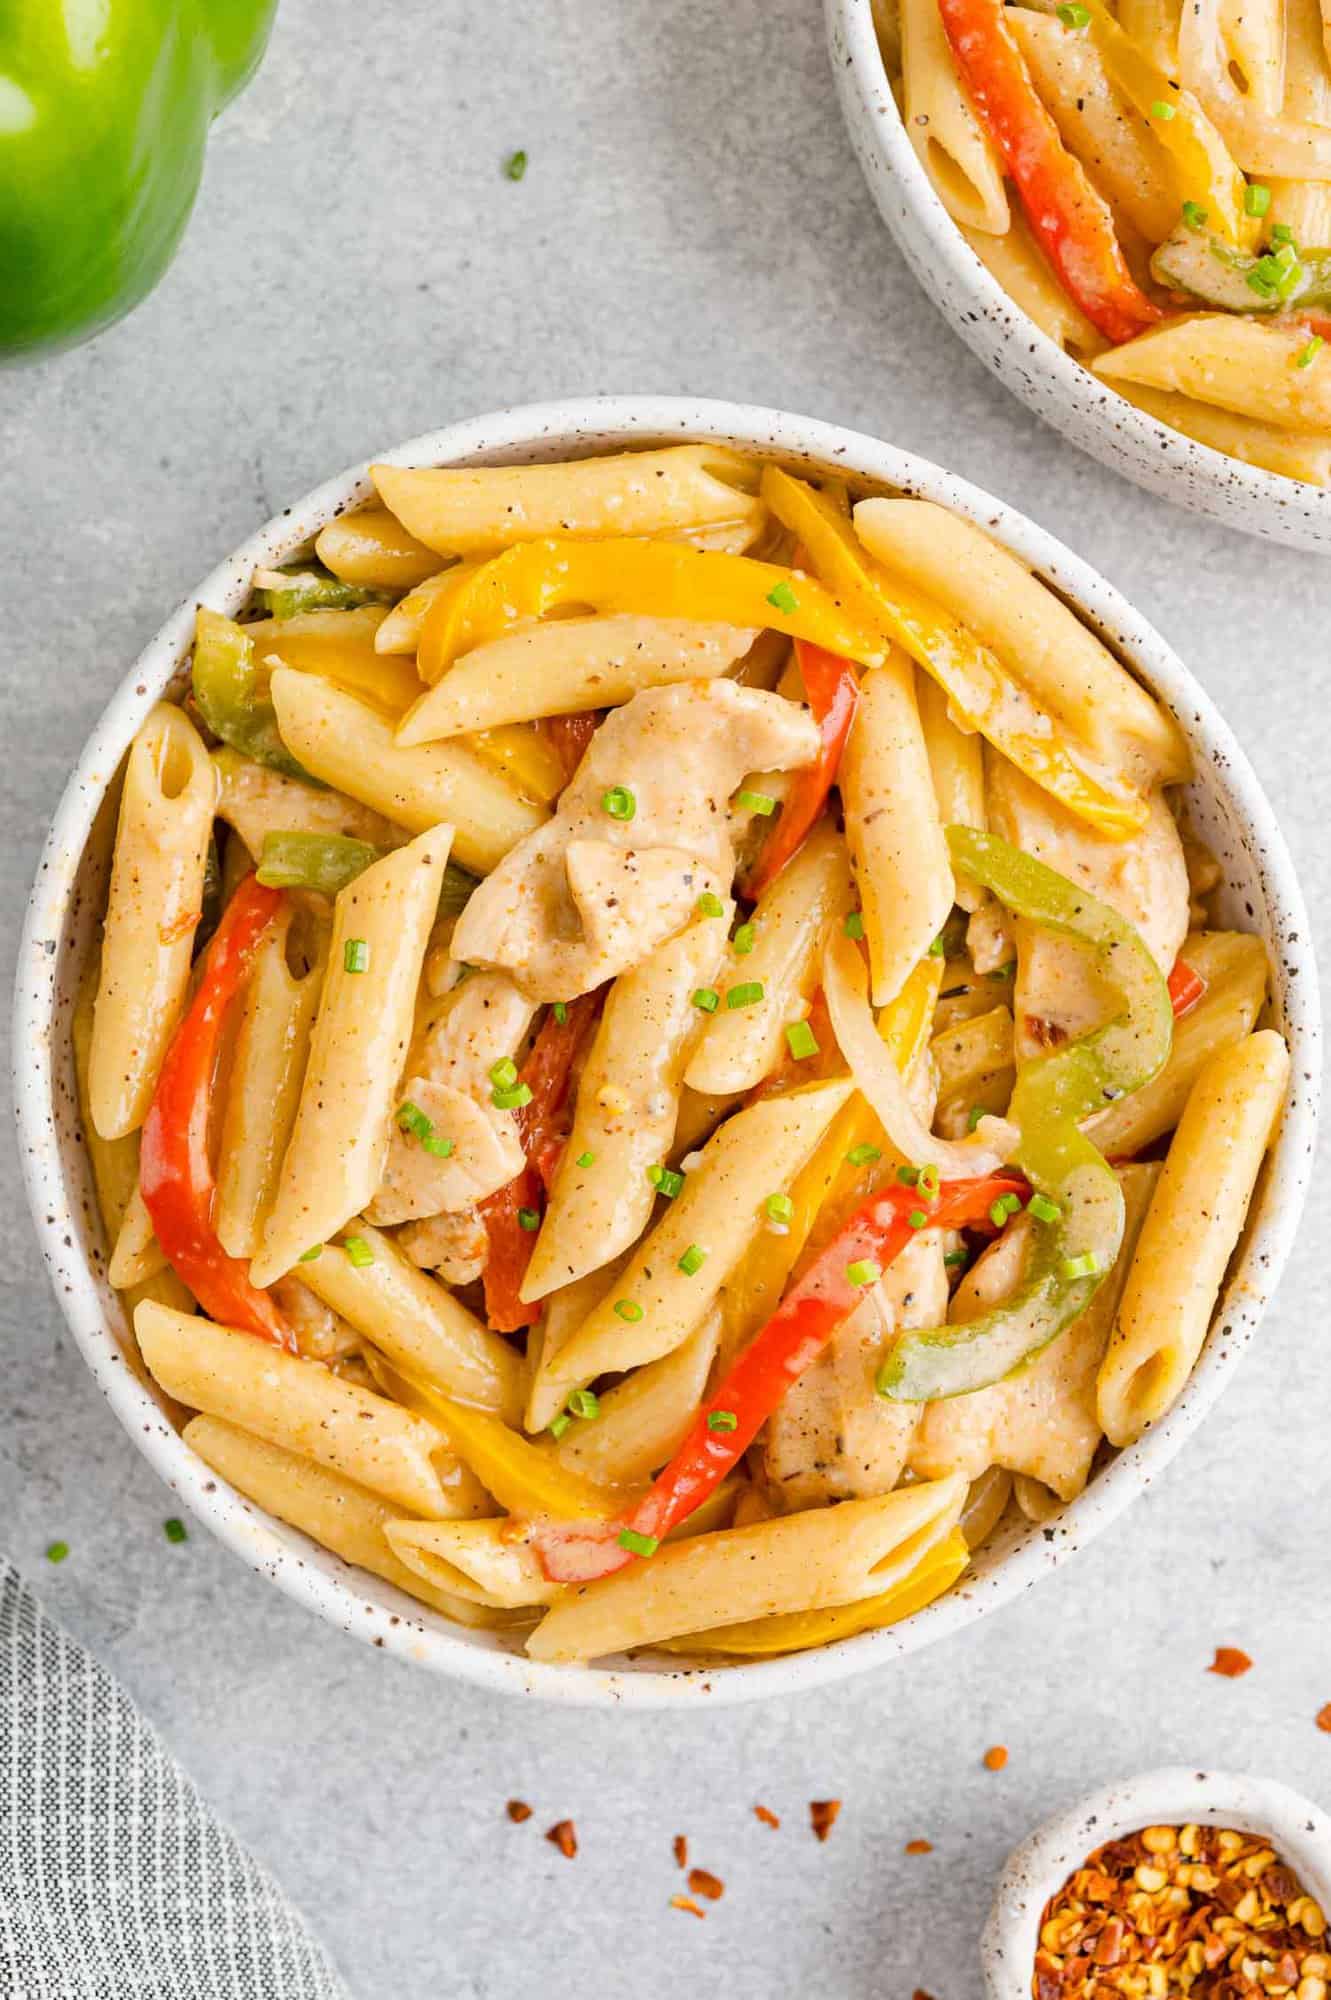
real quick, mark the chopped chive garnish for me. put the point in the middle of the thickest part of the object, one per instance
(175, 1530)
(929, 1183)
(619, 802)
(515, 166)
(1256, 198)
(666, 1181)
(586, 1160)
(504, 1073)
(529, 1218)
(359, 1253)
(1043, 1209)
(693, 1260)
(438, 1148)
(585, 1404)
(744, 940)
(1195, 215)
(801, 1040)
(722, 1420)
(779, 1208)
(629, 1309)
(860, 1156)
(710, 905)
(512, 1100)
(864, 1271)
(559, 1424)
(412, 1119)
(1080, 1267)
(636, 1544)
(355, 955)
(938, 949)
(1074, 15)
(560, 1012)
(977, 1112)
(782, 598)
(756, 802)
(952, 1258)
(908, 1176)
(1282, 233)
(1000, 1210)
(1160, 109)
(917, 1218)
(308, 1256)
(707, 999)
(1307, 355)
(746, 995)
(854, 924)
(56, 1551)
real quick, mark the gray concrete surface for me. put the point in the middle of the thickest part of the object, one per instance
(359, 269)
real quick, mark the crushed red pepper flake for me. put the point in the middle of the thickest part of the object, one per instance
(919, 1847)
(823, 1815)
(687, 1903)
(1200, 1911)
(1229, 1661)
(518, 1810)
(680, 1849)
(920, 1994)
(704, 1883)
(995, 1757)
(1323, 1718)
(563, 1835)
(768, 1817)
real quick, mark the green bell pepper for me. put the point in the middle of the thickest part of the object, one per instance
(105, 107)
(232, 695)
(1217, 274)
(313, 590)
(328, 861)
(1078, 1208)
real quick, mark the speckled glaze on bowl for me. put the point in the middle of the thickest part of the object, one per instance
(1034, 367)
(1229, 809)
(1299, 1831)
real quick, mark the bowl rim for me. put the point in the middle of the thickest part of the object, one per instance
(1177, 1795)
(863, 83)
(374, 1611)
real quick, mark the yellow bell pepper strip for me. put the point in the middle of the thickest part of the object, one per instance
(981, 693)
(1071, 222)
(524, 753)
(230, 696)
(647, 578)
(1078, 1208)
(797, 1631)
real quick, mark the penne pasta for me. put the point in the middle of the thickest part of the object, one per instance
(953, 148)
(642, 1420)
(373, 549)
(956, 765)
(137, 1254)
(1295, 454)
(1015, 261)
(1240, 364)
(480, 1561)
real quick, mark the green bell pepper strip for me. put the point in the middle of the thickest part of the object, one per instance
(328, 861)
(315, 590)
(1072, 1253)
(104, 117)
(1215, 272)
(232, 695)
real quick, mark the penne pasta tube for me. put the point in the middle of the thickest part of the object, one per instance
(1192, 1225)
(152, 912)
(481, 1561)
(898, 853)
(329, 1509)
(953, 147)
(373, 549)
(267, 1066)
(298, 1404)
(627, 1102)
(137, 1254)
(417, 1323)
(1294, 454)
(349, 743)
(1264, 140)
(1153, 26)
(1015, 261)
(664, 1293)
(1252, 35)
(1234, 966)
(643, 1419)
(569, 665)
(742, 1045)
(797, 1562)
(335, 1158)
(975, 1065)
(476, 510)
(1240, 364)
(956, 765)
(1044, 644)
(114, 1162)
(340, 647)
(401, 630)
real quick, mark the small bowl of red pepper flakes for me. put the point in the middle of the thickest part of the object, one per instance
(1189, 1883)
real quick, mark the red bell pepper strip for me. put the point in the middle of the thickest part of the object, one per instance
(1186, 988)
(830, 683)
(175, 1173)
(569, 735)
(1071, 221)
(546, 1073)
(792, 1339)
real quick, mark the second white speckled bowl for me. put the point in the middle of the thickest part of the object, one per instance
(1026, 360)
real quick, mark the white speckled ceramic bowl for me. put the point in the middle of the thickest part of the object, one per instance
(1032, 365)
(1231, 813)
(1299, 1831)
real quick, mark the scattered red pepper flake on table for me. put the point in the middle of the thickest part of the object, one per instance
(768, 1817)
(823, 1815)
(919, 1847)
(995, 1758)
(1323, 1718)
(687, 1903)
(920, 1994)
(563, 1835)
(518, 1810)
(680, 1849)
(704, 1883)
(1230, 1661)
